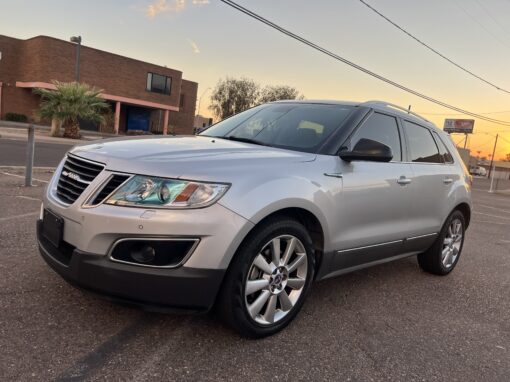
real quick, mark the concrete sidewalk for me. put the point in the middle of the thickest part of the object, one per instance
(18, 131)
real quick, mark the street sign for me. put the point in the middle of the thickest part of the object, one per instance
(464, 126)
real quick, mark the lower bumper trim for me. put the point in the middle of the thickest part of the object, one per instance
(182, 288)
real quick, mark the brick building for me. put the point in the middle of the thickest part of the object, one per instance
(142, 96)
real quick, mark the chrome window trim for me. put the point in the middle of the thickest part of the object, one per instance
(155, 238)
(422, 236)
(370, 246)
(431, 163)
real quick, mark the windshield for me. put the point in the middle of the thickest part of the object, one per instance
(293, 126)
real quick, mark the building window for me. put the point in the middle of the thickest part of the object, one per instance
(181, 101)
(157, 83)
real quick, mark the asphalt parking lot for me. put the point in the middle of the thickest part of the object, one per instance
(387, 323)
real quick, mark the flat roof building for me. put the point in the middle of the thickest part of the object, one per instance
(143, 96)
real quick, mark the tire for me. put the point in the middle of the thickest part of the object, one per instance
(441, 258)
(247, 272)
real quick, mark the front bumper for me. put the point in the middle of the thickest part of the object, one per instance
(153, 288)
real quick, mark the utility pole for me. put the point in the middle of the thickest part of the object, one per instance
(200, 100)
(493, 153)
(77, 41)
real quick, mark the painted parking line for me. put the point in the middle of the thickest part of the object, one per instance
(493, 208)
(23, 177)
(28, 197)
(492, 216)
(19, 216)
(490, 222)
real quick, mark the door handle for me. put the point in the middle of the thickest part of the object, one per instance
(403, 180)
(334, 174)
(447, 180)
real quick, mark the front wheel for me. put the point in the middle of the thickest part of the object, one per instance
(444, 254)
(268, 280)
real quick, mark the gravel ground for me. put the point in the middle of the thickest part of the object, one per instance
(388, 323)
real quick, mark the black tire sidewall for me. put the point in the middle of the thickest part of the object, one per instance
(444, 231)
(243, 260)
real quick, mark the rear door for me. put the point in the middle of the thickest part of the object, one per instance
(373, 207)
(430, 187)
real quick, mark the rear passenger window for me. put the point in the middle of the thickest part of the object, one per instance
(422, 146)
(443, 150)
(381, 128)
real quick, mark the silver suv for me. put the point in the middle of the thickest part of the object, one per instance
(244, 216)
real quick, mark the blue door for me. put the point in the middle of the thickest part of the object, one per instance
(138, 119)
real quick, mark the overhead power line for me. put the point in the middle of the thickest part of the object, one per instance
(488, 13)
(502, 42)
(358, 67)
(447, 114)
(432, 49)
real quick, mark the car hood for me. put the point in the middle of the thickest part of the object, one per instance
(189, 157)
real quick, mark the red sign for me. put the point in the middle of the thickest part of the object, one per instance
(464, 126)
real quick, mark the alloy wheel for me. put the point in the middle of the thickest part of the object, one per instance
(276, 279)
(452, 243)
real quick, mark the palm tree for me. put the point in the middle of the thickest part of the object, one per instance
(68, 103)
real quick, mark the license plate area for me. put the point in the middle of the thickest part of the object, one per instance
(53, 228)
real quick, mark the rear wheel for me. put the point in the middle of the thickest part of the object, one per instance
(269, 278)
(444, 254)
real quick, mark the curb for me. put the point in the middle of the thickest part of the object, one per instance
(22, 168)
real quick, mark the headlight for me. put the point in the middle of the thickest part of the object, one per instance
(146, 191)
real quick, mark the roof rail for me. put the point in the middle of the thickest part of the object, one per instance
(393, 106)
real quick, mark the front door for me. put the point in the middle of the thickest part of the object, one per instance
(138, 119)
(373, 207)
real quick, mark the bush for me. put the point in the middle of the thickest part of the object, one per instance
(15, 117)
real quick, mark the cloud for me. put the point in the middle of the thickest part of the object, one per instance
(194, 46)
(170, 7)
(162, 6)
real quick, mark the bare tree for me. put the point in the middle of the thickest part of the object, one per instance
(232, 95)
(279, 92)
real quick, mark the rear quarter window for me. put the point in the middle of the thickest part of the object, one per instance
(422, 146)
(443, 150)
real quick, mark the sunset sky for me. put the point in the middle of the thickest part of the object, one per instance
(208, 40)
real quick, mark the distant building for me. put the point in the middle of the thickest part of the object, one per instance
(201, 123)
(143, 96)
(501, 168)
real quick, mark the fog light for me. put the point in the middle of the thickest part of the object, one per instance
(143, 254)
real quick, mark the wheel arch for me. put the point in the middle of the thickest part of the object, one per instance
(465, 209)
(304, 216)
(310, 221)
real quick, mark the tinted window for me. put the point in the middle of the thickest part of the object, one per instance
(443, 151)
(421, 144)
(381, 128)
(295, 126)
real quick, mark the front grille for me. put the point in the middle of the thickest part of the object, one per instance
(110, 186)
(75, 177)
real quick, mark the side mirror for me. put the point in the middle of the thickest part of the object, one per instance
(368, 150)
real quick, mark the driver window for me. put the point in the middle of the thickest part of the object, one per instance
(381, 128)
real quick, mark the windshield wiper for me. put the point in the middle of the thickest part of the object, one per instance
(246, 140)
